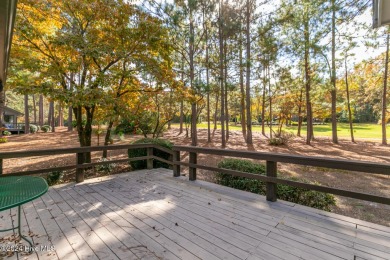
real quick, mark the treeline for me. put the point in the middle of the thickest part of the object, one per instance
(280, 61)
(245, 60)
(39, 111)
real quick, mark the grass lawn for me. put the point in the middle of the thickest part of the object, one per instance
(364, 131)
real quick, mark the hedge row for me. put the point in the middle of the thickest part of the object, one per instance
(302, 196)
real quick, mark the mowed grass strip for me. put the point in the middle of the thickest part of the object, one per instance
(362, 131)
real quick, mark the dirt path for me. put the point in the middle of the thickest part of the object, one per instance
(364, 151)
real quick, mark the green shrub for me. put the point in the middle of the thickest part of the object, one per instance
(275, 141)
(242, 165)
(33, 129)
(281, 138)
(3, 140)
(54, 177)
(142, 152)
(105, 167)
(125, 127)
(146, 127)
(6, 133)
(302, 196)
(83, 123)
(121, 136)
(46, 128)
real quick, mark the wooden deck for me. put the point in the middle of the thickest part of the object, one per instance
(151, 215)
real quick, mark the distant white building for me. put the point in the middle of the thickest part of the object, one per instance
(10, 120)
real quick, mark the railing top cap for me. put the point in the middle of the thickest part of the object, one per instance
(55, 151)
(335, 163)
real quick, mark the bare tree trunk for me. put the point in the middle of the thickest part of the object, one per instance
(41, 120)
(221, 78)
(216, 111)
(248, 76)
(51, 116)
(186, 123)
(70, 110)
(80, 129)
(170, 109)
(270, 102)
(181, 116)
(35, 109)
(227, 119)
(26, 115)
(53, 120)
(208, 116)
(2, 105)
(208, 84)
(70, 119)
(107, 137)
(348, 103)
(263, 105)
(384, 96)
(60, 115)
(182, 103)
(333, 79)
(155, 131)
(242, 97)
(308, 83)
(194, 132)
(300, 119)
(84, 130)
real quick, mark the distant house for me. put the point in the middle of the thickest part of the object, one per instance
(11, 120)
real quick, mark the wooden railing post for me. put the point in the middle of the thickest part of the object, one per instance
(271, 188)
(192, 170)
(80, 171)
(149, 162)
(176, 167)
(1, 166)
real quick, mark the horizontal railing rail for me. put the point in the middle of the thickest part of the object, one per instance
(80, 164)
(18, 154)
(340, 164)
(19, 126)
(272, 159)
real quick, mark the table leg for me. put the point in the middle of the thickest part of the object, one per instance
(19, 228)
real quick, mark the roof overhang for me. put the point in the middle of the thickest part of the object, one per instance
(7, 19)
(381, 12)
(10, 111)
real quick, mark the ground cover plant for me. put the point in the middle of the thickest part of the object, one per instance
(301, 196)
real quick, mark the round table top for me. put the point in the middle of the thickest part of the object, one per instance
(17, 190)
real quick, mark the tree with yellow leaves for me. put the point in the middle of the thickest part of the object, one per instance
(90, 39)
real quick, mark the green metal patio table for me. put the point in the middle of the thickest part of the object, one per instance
(18, 190)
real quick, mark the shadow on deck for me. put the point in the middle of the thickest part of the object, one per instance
(149, 214)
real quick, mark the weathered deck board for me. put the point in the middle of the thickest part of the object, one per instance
(188, 227)
(270, 241)
(151, 215)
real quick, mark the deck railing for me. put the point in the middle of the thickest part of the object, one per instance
(79, 153)
(15, 125)
(272, 159)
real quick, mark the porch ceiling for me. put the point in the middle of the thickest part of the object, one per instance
(7, 19)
